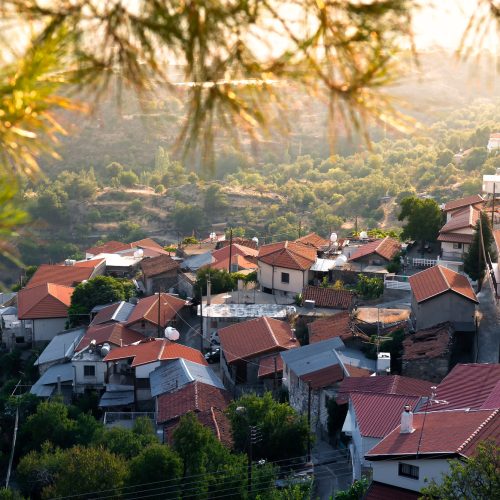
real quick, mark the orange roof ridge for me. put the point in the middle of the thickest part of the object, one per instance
(476, 432)
(268, 326)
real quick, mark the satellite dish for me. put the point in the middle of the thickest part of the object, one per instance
(105, 350)
(171, 333)
(139, 254)
(255, 240)
(363, 235)
(333, 237)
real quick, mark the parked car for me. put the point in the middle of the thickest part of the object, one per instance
(213, 356)
(214, 338)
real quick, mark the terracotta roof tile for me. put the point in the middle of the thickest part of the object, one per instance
(437, 280)
(337, 325)
(463, 202)
(467, 386)
(324, 377)
(158, 265)
(445, 432)
(314, 240)
(255, 337)
(378, 414)
(328, 297)
(60, 275)
(108, 247)
(113, 333)
(147, 309)
(429, 343)
(47, 300)
(151, 350)
(381, 491)
(240, 241)
(267, 365)
(213, 418)
(466, 218)
(239, 261)
(356, 371)
(386, 248)
(288, 254)
(195, 396)
(456, 238)
(90, 263)
(106, 314)
(387, 384)
(148, 243)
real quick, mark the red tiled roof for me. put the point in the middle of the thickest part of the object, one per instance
(195, 396)
(324, 377)
(378, 414)
(356, 371)
(240, 241)
(456, 238)
(105, 314)
(60, 275)
(239, 261)
(213, 418)
(108, 247)
(288, 254)
(148, 243)
(467, 386)
(429, 343)
(255, 337)
(386, 248)
(223, 253)
(267, 365)
(492, 402)
(328, 297)
(437, 280)
(465, 218)
(158, 265)
(47, 300)
(463, 202)
(445, 432)
(151, 350)
(495, 135)
(313, 240)
(337, 325)
(147, 309)
(113, 333)
(89, 263)
(387, 384)
(380, 491)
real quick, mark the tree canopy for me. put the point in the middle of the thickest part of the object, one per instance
(476, 477)
(423, 219)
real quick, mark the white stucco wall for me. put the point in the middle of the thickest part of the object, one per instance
(46, 329)
(80, 381)
(386, 471)
(297, 279)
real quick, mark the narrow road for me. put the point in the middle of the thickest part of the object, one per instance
(488, 345)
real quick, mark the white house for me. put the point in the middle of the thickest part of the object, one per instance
(285, 267)
(406, 461)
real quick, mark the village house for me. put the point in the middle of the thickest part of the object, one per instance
(70, 274)
(493, 142)
(376, 253)
(130, 367)
(313, 372)
(315, 241)
(148, 246)
(427, 353)
(243, 258)
(244, 345)
(159, 274)
(284, 267)
(328, 298)
(419, 450)
(440, 295)
(43, 311)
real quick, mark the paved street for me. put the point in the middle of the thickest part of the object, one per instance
(488, 348)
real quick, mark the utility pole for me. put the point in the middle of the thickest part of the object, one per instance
(230, 248)
(158, 333)
(493, 208)
(308, 420)
(201, 319)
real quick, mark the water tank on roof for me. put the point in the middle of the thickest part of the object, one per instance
(139, 253)
(340, 260)
(105, 349)
(333, 237)
(212, 236)
(363, 235)
(255, 240)
(69, 262)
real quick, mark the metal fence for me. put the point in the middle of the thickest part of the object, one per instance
(111, 417)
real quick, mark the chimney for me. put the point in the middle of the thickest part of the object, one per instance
(383, 363)
(407, 421)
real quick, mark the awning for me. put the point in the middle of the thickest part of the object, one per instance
(116, 398)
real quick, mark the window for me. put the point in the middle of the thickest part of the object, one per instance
(88, 370)
(285, 278)
(407, 470)
(457, 246)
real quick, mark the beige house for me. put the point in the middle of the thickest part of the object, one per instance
(285, 267)
(438, 295)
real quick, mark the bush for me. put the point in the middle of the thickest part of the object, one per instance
(369, 288)
(160, 188)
